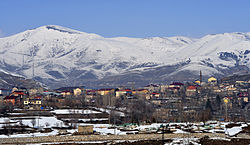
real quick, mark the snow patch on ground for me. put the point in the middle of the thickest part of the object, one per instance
(74, 111)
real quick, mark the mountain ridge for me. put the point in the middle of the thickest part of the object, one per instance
(61, 55)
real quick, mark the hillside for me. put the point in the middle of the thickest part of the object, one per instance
(8, 81)
(58, 56)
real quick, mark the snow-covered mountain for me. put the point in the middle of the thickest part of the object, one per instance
(56, 55)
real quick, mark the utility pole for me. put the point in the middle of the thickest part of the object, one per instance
(226, 113)
(163, 131)
(114, 126)
(162, 138)
(226, 100)
(108, 99)
(30, 55)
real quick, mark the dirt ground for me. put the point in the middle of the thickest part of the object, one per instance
(234, 141)
(202, 141)
(144, 142)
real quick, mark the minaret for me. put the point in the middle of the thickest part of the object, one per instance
(200, 77)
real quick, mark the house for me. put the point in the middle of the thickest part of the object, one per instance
(175, 85)
(12, 99)
(191, 91)
(66, 93)
(51, 96)
(4, 92)
(245, 99)
(33, 103)
(86, 129)
(126, 92)
(152, 87)
(15, 97)
(174, 89)
(77, 91)
(154, 95)
(156, 101)
(21, 94)
(212, 80)
(21, 89)
(107, 91)
(198, 82)
(163, 88)
(90, 95)
(1, 98)
(35, 91)
(142, 93)
(243, 96)
(241, 83)
(217, 90)
(231, 89)
(228, 102)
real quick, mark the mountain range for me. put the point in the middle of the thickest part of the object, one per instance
(57, 56)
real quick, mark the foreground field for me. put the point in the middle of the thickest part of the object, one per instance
(194, 138)
(61, 127)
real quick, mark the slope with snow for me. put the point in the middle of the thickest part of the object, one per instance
(216, 52)
(57, 54)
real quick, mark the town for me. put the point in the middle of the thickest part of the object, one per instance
(121, 110)
(175, 102)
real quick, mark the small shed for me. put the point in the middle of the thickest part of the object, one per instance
(85, 129)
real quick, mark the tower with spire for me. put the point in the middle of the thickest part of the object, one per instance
(200, 77)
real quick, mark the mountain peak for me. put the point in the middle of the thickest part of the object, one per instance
(62, 54)
(60, 29)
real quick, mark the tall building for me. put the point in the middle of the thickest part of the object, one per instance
(200, 77)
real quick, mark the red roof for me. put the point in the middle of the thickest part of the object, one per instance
(38, 97)
(191, 88)
(173, 88)
(243, 94)
(126, 90)
(10, 97)
(19, 92)
(229, 97)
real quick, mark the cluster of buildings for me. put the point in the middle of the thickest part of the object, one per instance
(168, 97)
(21, 97)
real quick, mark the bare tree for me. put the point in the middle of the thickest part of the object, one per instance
(140, 110)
